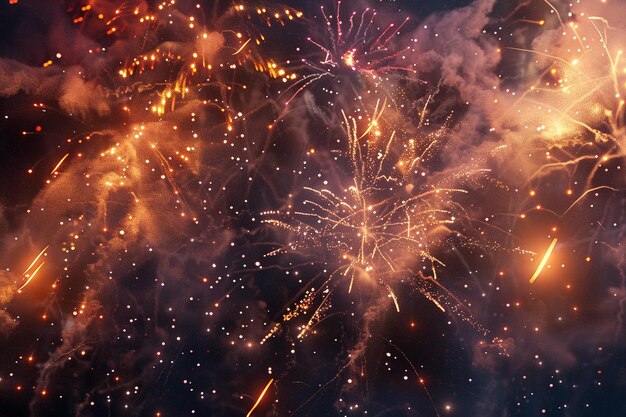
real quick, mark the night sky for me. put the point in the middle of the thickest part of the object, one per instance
(312, 208)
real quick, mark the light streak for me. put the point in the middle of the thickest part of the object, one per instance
(242, 47)
(436, 303)
(258, 401)
(30, 278)
(56, 167)
(544, 260)
(394, 298)
(583, 195)
(35, 260)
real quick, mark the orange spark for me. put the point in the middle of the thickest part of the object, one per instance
(59, 164)
(30, 278)
(435, 302)
(32, 264)
(242, 46)
(394, 298)
(543, 262)
(35, 260)
(256, 404)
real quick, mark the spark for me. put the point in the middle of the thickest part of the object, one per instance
(394, 298)
(436, 303)
(589, 191)
(56, 167)
(30, 277)
(544, 260)
(35, 260)
(260, 398)
(242, 47)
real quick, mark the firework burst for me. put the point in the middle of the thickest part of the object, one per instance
(232, 206)
(354, 48)
(384, 220)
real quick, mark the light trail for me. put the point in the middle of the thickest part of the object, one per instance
(544, 261)
(436, 303)
(258, 401)
(35, 260)
(242, 47)
(30, 278)
(58, 165)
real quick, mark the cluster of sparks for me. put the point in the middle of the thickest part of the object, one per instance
(353, 46)
(375, 210)
(386, 220)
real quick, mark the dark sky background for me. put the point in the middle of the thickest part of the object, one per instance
(157, 287)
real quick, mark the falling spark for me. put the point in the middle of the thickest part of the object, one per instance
(35, 260)
(256, 404)
(242, 47)
(436, 303)
(32, 264)
(30, 278)
(56, 167)
(394, 298)
(543, 262)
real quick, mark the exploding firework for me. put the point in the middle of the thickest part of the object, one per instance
(384, 219)
(414, 175)
(357, 53)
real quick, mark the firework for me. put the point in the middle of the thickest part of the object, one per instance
(386, 218)
(222, 208)
(354, 46)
